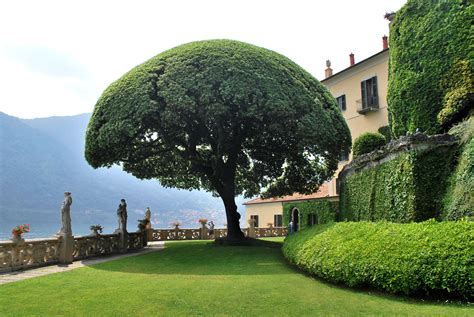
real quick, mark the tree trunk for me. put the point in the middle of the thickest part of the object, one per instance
(233, 225)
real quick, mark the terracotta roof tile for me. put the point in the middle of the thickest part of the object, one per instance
(321, 193)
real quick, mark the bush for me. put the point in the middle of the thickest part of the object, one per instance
(385, 131)
(368, 142)
(429, 259)
(430, 72)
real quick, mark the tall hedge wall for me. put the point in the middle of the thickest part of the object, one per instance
(407, 188)
(431, 65)
(325, 211)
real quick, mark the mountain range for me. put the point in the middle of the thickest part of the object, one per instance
(41, 158)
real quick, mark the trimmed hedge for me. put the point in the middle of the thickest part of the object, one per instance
(407, 188)
(431, 258)
(431, 67)
(324, 210)
(368, 142)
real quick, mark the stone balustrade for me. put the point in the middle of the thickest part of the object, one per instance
(28, 253)
(200, 234)
(40, 252)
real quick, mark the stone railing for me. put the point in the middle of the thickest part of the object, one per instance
(89, 246)
(200, 234)
(28, 253)
(176, 234)
(39, 252)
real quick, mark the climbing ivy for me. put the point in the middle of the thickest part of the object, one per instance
(324, 209)
(459, 199)
(407, 188)
(431, 65)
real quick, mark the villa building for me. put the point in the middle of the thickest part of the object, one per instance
(361, 93)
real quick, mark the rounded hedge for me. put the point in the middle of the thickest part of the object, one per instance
(431, 65)
(429, 258)
(368, 142)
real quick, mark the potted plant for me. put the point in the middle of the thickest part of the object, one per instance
(203, 222)
(18, 231)
(176, 225)
(96, 230)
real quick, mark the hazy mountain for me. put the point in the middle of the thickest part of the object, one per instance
(42, 158)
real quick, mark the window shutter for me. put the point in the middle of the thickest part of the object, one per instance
(375, 97)
(364, 94)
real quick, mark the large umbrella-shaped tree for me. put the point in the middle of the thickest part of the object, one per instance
(220, 115)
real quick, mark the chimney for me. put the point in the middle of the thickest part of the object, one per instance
(328, 71)
(385, 42)
(351, 59)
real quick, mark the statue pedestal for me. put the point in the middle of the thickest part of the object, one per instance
(252, 232)
(66, 249)
(204, 233)
(123, 240)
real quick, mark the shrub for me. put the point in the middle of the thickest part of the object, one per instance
(368, 142)
(385, 131)
(430, 72)
(429, 258)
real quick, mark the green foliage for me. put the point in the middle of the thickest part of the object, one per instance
(459, 97)
(430, 72)
(221, 115)
(324, 209)
(429, 258)
(385, 131)
(368, 142)
(407, 188)
(459, 200)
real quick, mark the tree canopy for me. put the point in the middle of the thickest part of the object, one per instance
(431, 65)
(220, 115)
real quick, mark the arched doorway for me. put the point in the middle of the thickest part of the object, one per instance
(295, 217)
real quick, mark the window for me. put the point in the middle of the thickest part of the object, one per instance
(278, 220)
(370, 97)
(341, 101)
(255, 218)
(312, 220)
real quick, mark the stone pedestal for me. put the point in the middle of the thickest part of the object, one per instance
(123, 240)
(252, 232)
(204, 233)
(66, 249)
(252, 228)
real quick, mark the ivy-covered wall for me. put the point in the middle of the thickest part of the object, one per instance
(407, 188)
(459, 199)
(431, 65)
(324, 209)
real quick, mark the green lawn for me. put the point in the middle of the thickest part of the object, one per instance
(198, 278)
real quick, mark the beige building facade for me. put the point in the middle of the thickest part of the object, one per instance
(361, 93)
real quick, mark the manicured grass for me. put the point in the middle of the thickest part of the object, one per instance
(200, 279)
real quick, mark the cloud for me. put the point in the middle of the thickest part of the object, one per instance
(47, 61)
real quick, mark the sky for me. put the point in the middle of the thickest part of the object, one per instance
(57, 57)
